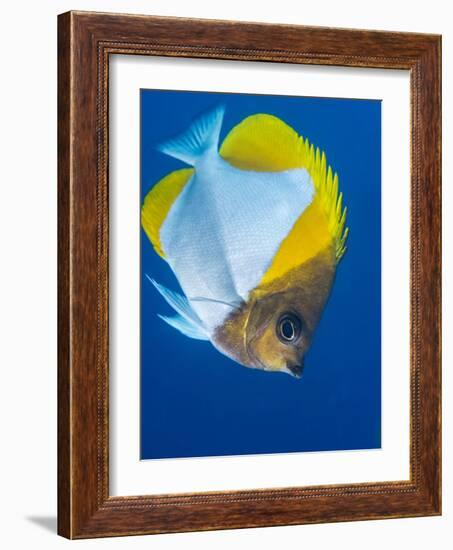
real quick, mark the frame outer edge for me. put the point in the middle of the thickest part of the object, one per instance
(438, 171)
(64, 527)
(439, 161)
(435, 130)
(83, 511)
(426, 228)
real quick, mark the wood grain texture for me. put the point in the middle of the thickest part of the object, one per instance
(86, 40)
(64, 367)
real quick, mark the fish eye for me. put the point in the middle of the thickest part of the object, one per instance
(289, 328)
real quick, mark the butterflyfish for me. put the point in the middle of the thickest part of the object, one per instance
(253, 230)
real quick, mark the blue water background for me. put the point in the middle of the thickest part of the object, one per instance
(197, 402)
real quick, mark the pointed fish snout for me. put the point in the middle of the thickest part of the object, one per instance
(296, 370)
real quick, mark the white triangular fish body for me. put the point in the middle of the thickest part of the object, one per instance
(225, 227)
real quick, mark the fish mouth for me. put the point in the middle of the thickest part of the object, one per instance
(296, 370)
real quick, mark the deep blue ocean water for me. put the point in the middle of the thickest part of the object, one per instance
(197, 402)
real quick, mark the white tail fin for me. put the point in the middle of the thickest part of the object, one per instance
(202, 136)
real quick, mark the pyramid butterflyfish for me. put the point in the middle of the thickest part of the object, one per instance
(253, 231)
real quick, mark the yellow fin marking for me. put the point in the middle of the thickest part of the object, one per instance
(158, 202)
(265, 143)
(306, 239)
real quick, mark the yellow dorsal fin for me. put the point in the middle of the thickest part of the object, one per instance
(158, 202)
(265, 143)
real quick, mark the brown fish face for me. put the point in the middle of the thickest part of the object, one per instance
(278, 334)
(284, 316)
(274, 329)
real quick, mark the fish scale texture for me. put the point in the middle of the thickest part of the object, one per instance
(224, 229)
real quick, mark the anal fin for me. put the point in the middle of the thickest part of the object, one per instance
(188, 328)
(186, 320)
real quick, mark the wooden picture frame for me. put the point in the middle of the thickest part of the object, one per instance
(85, 42)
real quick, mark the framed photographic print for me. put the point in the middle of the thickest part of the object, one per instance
(249, 275)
